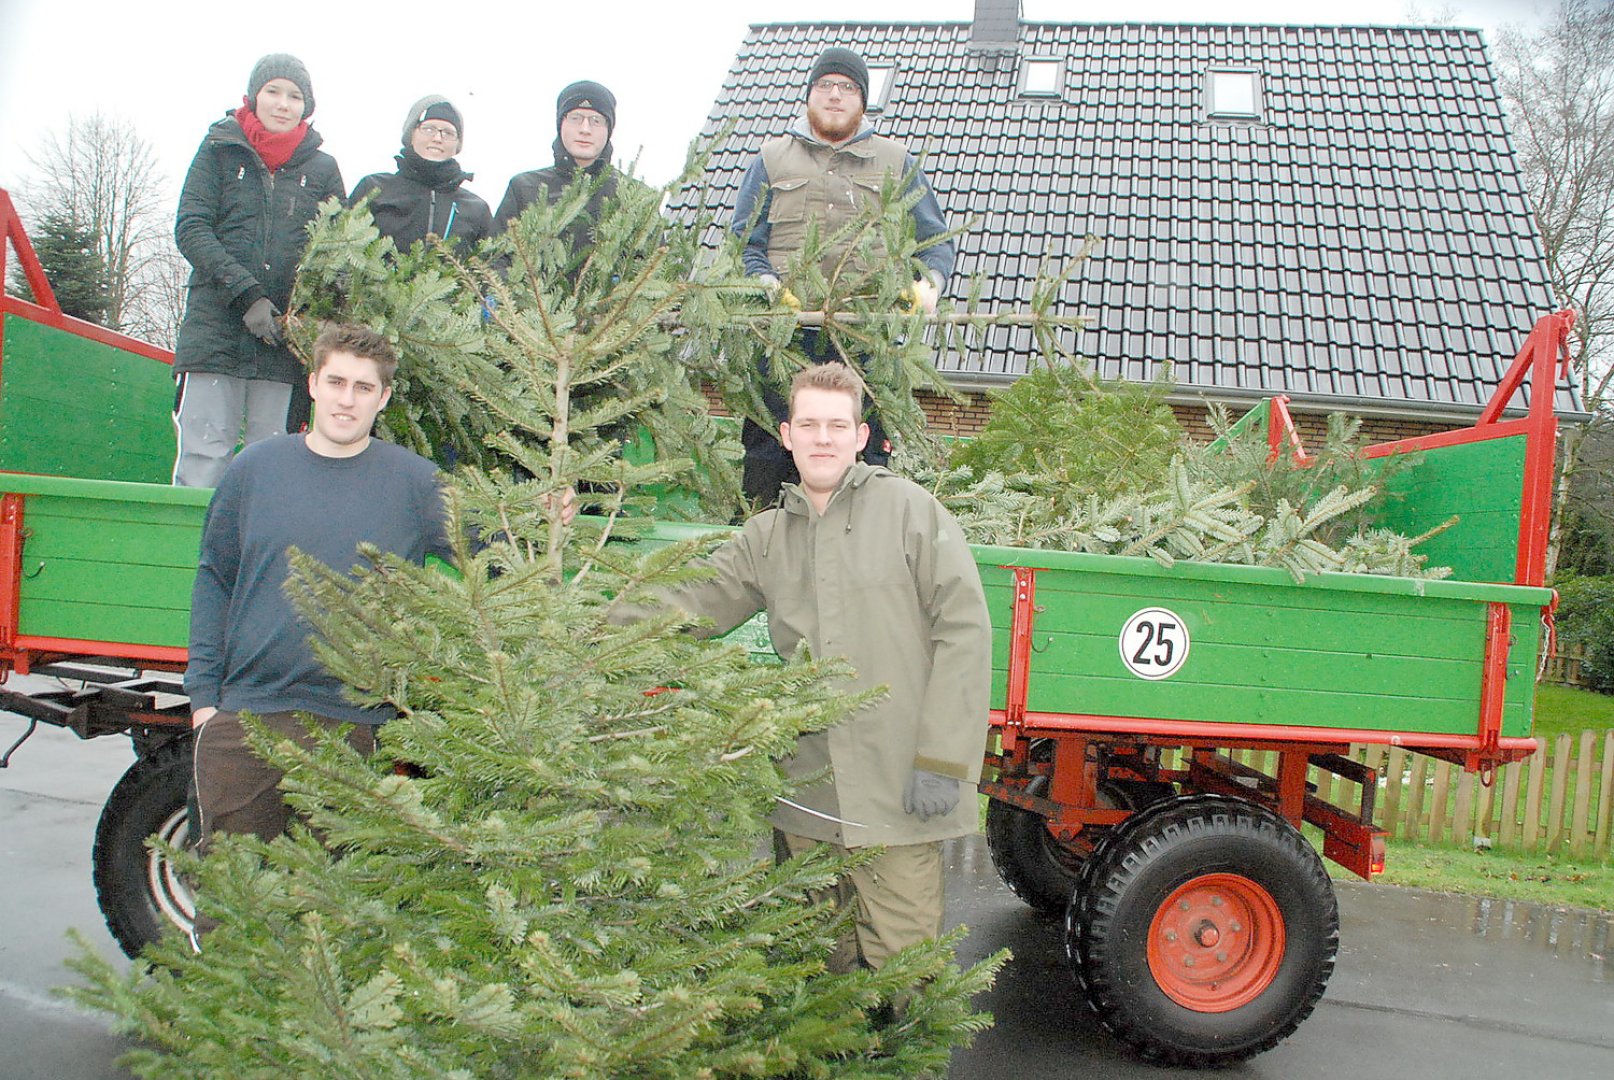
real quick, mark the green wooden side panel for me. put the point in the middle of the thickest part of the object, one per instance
(1267, 651)
(113, 562)
(74, 407)
(1482, 485)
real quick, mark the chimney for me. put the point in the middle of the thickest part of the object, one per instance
(995, 33)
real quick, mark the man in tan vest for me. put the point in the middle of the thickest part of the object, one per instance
(826, 172)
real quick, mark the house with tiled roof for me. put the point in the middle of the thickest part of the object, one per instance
(1329, 212)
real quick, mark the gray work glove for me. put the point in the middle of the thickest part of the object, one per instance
(929, 795)
(260, 320)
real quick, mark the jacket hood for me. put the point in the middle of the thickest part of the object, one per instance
(803, 130)
(792, 500)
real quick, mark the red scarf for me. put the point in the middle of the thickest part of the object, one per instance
(275, 150)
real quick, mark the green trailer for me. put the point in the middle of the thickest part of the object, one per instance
(1200, 923)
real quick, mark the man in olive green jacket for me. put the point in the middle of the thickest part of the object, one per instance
(862, 564)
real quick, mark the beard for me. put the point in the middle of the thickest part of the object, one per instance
(834, 127)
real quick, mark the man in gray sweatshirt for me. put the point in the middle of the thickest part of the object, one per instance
(324, 492)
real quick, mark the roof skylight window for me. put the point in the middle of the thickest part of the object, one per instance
(881, 77)
(1042, 76)
(1233, 94)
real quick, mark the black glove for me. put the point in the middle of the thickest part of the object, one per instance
(260, 320)
(929, 795)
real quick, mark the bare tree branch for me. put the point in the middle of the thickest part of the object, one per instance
(100, 174)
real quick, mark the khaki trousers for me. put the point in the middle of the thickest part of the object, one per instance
(897, 899)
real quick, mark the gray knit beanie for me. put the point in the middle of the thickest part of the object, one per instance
(433, 107)
(281, 66)
(838, 61)
(587, 94)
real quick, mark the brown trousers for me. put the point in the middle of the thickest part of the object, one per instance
(237, 791)
(897, 898)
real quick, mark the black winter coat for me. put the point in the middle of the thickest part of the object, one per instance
(553, 181)
(425, 197)
(243, 231)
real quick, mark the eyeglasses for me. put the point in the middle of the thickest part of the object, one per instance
(436, 131)
(581, 119)
(829, 86)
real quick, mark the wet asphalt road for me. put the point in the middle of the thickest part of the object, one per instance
(1426, 987)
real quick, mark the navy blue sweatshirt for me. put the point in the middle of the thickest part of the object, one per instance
(249, 649)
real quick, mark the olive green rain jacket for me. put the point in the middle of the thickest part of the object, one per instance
(885, 579)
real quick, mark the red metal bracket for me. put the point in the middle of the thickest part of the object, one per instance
(1494, 677)
(1281, 429)
(1022, 619)
(10, 581)
(32, 271)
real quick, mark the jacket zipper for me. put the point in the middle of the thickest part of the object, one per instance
(431, 213)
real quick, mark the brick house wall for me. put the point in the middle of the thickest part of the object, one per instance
(970, 415)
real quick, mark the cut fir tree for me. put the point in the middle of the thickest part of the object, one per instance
(1071, 462)
(553, 867)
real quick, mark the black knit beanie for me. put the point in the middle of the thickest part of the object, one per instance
(838, 61)
(281, 66)
(586, 94)
(433, 107)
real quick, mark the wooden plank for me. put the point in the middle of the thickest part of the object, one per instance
(1511, 776)
(1415, 798)
(99, 582)
(1389, 810)
(1182, 699)
(1462, 815)
(1531, 839)
(1581, 811)
(1325, 784)
(1485, 817)
(1562, 750)
(1439, 812)
(107, 622)
(1605, 810)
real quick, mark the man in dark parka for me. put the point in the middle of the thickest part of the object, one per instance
(585, 117)
(252, 188)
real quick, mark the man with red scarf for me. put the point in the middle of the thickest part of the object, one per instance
(252, 188)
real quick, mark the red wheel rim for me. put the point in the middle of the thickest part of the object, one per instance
(1216, 943)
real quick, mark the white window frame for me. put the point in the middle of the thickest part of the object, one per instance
(1242, 109)
(1053, 64)
(882, 74)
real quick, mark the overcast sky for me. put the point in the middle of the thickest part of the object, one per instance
(172, 67)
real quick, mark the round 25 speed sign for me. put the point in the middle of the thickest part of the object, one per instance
(1154, 643)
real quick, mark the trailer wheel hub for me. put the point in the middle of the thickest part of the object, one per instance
(1215, 944)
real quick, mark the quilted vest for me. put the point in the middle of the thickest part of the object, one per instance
(812, 182)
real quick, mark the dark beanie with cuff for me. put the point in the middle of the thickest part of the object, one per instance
(281, 66)
(433, 107)
(838, 61)
(587, 94)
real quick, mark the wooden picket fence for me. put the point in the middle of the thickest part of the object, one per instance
(1559, 800)
(1564, 666)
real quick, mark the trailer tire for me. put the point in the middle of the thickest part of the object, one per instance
(139, 890)
(1036, 866)
(1204, 931)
